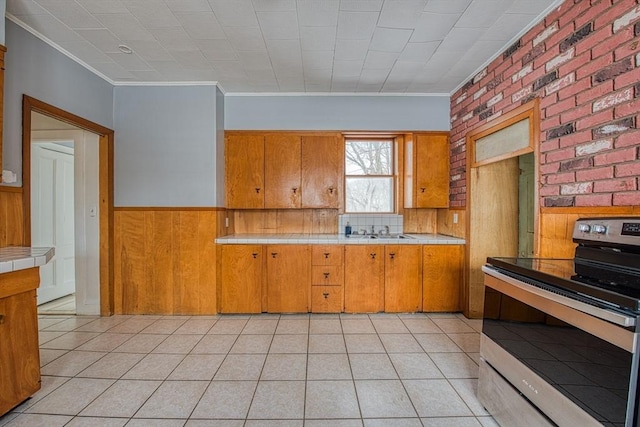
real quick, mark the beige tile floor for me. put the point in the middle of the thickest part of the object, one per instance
(266, 370)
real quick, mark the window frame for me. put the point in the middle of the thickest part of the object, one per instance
(393, 173)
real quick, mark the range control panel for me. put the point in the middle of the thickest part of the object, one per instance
(611, 230)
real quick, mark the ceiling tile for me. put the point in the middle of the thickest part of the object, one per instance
(318, 75)
(262, 76)
(217, 50)
(283, 52)
(152, 13)
(102, 6)
(124, 26)
(318, 38)
(274, 5)
(245, 38)
(447, 6)
(188, 5)
(361, 5)
(50, 27)
(401, 13)
(113, 70)
(102, 39)
(384, 60)
(391, 86)
(253, 61)
(347, 68)
(129, 62)
(148, 76)
(201, 25)
(351, 50)
(313, 13)
(482, 14)
(85, 50)
(150, 50)
(506, 24)
(405, 70)
(371, 76)
(174, 39)
(194, 60)
(279, 25)
(344, 85)
(235, 12)
(24, 7)
(389, 39)
(356, 25)
(531, 7)
(317, 59)
(70, 13)
(418, 52)
(317, 87)
(458, 40)
(368, 88)
(433, 26)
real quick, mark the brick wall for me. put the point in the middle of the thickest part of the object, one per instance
(583, 63)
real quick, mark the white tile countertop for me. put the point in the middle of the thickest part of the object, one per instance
(337, 239)
(13, 258)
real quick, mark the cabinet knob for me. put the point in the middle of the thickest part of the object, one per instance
(422, 189)
(326, 275)
(325, 295)
(274, 254)
(295, 190)
(372, 255)
(255, 255)
(258, 190)
(330, 190)
(326, 255)
(392, 255)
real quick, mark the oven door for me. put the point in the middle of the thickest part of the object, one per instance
(570, 363)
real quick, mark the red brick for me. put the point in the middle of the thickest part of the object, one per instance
(614, 99)
(549, 190)
(577, 87)
(592, 12)
(626, 109)
(593, 66)
(610, 15)
(592, 147)
(628, 139)
(615, 185)
(626, 48)
(628, 169)
(549, 123)
(594, 174)
(604, 41)
(579, 60)
(549, 168)
(626, 79)
(532, 76)
(575, 139)
(559, 155)
(593, 200)
(554, 144)
(631, 198)
(617, 156)
(594, 120)
(576, 188)
(571, 115)
(561, 178)
(533, 33)
(564, 31)
(554, 107)
(595, 92)
(548, 55)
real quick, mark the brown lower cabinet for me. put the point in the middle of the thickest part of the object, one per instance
(442, 271)
(240, 289)
(19, 355)
(288, 278)
(364, 278)
(403, 278)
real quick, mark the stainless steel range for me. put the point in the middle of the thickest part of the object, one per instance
(559, 343)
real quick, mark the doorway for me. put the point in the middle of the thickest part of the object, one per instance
(99, 173)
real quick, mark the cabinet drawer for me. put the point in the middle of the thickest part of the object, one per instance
(327, 275)
(327, 255)
(326, 299)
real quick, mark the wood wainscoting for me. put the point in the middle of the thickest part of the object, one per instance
(11, 216)
(165, 260)
(556, 226)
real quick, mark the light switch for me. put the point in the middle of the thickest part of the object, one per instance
(455, 218)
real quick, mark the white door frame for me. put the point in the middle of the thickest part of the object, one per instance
(86, 214)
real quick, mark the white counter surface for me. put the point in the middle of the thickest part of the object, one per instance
(13, 258)
(336, 239)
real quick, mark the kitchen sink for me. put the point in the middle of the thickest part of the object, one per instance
(380, 236)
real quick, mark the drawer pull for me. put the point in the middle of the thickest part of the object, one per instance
(258, 190)
(255, 255)
(326, 275)
(295, 190)
(422, 189)
(274, 254)
(372, 255)
(326, 255)
(330, 190)
(392, 255)
(325, 295)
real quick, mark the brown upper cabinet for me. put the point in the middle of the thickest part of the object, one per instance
(427, 170)
(283, 170)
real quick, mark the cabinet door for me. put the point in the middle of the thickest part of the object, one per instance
(326, 299)
(327, 254)
(403, 278)
(19, 357)
(244, 162)
(442, 277)
(431, 170)
(288, 278)
(241, 279)
(364, 278)
(282, 171)
(322, 171)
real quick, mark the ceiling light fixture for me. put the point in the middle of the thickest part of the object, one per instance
(125, 49)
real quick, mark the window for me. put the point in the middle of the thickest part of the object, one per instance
(369, 176)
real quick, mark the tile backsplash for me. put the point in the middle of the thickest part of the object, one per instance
(360, 222)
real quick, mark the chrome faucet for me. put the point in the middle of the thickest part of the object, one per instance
(373, 230)
(386, 230)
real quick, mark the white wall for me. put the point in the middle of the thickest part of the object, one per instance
(3, 9)
(293, 112)
(220, 107)
(34, 68)
(165, 150)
